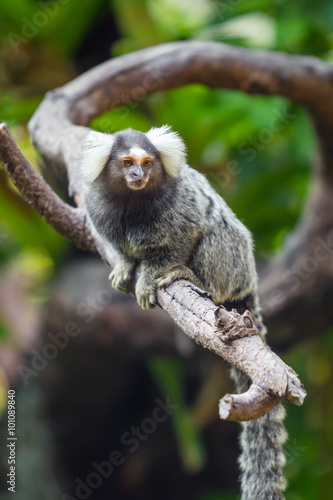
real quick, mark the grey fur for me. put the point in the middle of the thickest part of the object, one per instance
(179, 221)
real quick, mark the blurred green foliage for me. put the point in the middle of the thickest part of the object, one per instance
(168, 373)
(257, 151)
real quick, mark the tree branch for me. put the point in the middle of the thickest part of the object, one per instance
(235, 338)
(67, 220)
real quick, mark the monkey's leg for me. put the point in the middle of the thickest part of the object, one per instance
(154, 276)
(176, 273)
(123, 273)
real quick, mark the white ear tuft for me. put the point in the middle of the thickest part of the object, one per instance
(95, 152)
(170, 146)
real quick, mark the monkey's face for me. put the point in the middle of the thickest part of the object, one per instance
(137, 167)
(134, 163)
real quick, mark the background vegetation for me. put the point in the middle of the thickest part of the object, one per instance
(257, 151)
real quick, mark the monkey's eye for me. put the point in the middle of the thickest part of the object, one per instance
(127, 162)
(147, 163)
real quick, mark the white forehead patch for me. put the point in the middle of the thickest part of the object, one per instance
(137, 152)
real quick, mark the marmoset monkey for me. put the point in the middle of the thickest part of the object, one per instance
(156, 211)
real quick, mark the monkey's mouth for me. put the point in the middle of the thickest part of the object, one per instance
(137, 184)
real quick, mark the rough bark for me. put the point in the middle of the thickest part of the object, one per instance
(67, 220)
(235, 338)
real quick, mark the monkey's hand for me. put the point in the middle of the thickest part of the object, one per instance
(176, 273)
(122, 275)
(145, 290)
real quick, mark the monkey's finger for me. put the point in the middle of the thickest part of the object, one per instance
(147, 301)
(119, 285)
(152, 301)
(165, 281)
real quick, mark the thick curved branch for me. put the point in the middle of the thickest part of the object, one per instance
(68, 221)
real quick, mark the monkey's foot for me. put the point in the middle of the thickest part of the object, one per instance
(121, 277)
(176, 273)
(145, 293)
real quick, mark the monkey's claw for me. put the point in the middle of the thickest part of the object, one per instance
(148, 301)
(166, 280)
(145, 295)
(120, 279)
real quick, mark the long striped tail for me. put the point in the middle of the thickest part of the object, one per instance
(262, 458)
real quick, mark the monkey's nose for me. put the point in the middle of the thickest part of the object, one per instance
(137, 173)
